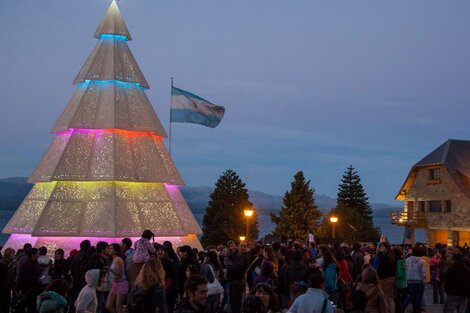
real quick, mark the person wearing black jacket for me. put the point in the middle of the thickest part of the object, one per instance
(77, 270)
(28, 280)
(457, 285)
(291, 272)
(187, 258)
(237, 263)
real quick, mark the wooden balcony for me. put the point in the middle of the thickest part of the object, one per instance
(415, 219)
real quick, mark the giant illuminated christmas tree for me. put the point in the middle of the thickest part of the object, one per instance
(107, 174)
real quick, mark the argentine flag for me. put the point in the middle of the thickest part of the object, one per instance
(189, 108)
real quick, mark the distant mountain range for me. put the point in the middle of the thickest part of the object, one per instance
(14, 190)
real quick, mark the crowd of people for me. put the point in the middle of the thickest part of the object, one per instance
(145, 276)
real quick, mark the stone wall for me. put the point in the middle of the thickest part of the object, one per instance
(424, 189)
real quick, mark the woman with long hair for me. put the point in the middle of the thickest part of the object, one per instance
(400, 282)
(186, 255)
(330, 273)
(119, 286)
(386, 270)
(59, 268)
(375, 297)
(151, 282)
(211, 269)
(270, 255)
(268, 297)
(171, 289)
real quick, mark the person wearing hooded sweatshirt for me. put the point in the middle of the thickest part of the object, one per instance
(370, 286)
(416, 278)
(87, 301)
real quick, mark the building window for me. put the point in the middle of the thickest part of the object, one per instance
(435, 174)
(448, 206)
(435, 206)
(421, 206)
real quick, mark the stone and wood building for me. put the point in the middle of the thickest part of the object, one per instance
(436, 195)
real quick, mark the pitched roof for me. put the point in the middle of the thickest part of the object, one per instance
(454, 155)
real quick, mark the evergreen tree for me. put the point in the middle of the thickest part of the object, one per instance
(224, 218)
(354, 210)
(299, 215)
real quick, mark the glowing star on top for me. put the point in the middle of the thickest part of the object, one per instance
(113, 23)
(107, 173)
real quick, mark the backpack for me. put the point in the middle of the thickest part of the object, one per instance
(141, 252)
(136, 300)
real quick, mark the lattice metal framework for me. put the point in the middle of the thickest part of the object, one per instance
(107, 173)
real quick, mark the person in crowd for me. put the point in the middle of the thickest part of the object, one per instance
(270, 255)
(330, 272)
(59, 269)
(120, 286)
(143, 250)
(344, 277)
(187, 260)
(253, 304)
(416, 279)
(151, 282)
(268, 297)
(386, 270)
(77, 270)
(266, 274)
(87, 301)
(53, 299)
(457, 286)
(315, 300)
(211, 269)
(127, 253)
(195, 295)
(45, 263)
(99, 260)
(7, 278)
(376, 301)
(435, 265)
(171, 289)
(22, 256)
(357, 259)
(292, 271)
(236, 263)
(256, 258)
(28, 280)
(400, 276)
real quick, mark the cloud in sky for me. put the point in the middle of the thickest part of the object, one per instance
(312, 86)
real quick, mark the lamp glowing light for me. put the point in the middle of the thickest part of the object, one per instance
(248, 212)
(333, 220)
(242, 238)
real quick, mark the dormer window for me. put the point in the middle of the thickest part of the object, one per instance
(434, 176)
(435, 173)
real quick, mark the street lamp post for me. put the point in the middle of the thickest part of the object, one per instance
(248, 214)
(333, 220)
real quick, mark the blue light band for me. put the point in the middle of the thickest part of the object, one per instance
(116, 37)
(107, 82)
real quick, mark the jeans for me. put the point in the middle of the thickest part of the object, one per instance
(453, 303)
(415, 296)
(437, 292)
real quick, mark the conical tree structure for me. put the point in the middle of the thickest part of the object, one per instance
(107, 174)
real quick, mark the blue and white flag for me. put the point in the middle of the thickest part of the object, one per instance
(189, 108)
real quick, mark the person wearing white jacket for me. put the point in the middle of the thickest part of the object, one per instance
(416, 278)
(87, 301)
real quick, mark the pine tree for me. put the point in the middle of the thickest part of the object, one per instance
(299, 214)
(351, 194)
(224, 217)
(354, 209)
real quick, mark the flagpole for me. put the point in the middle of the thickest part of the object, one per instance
(169, 146)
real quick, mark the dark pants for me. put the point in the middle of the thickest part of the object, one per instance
(455, 303)
(236, 290)
(415, 296)
(437, 292)
(401, 296)
(5, 299)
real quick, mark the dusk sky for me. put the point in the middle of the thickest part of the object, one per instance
(307, 85)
